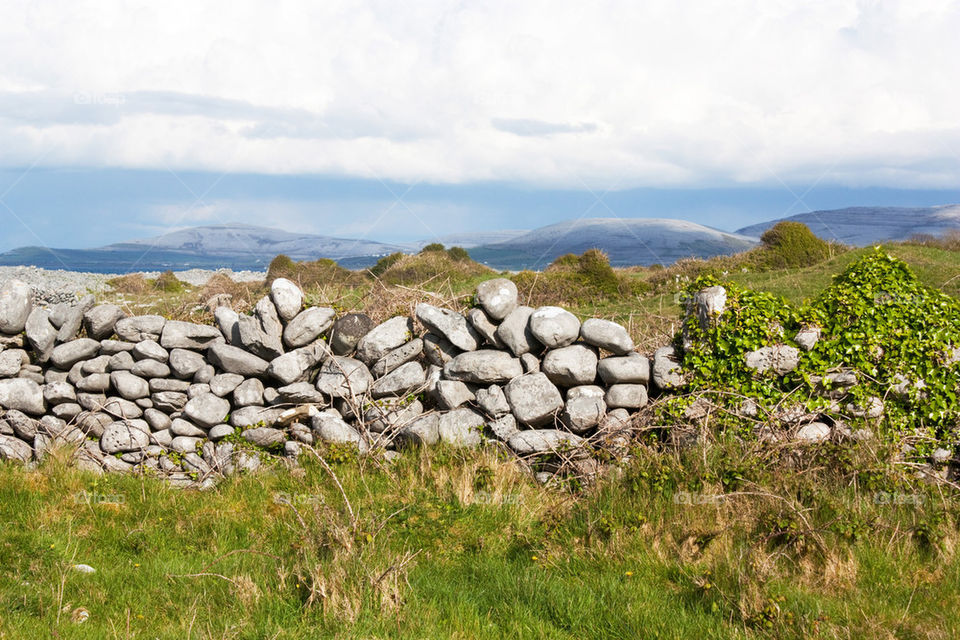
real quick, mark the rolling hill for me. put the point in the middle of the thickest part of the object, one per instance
(862, 226)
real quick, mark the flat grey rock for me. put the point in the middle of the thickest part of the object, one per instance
(486, 366)
(634, 369)
(666, 373)
(307, 326)
(384, 338)
(485, 327)
(437, 350)
(584, 409)
(398, 357)
(223, 384)
(233, 359)
(571, 366)
(139, 328)
(248, 393)
(185, 363)
(124, 436)
(400, 381)
(450, 324)
(342, 377)
(450, 394)
(492, 401)
(607, 335)
(22, 395)
(187, 335)
(150, 350)
(544, 441)
(461, 427)
(68, 354)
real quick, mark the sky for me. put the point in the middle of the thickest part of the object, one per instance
(404, 121)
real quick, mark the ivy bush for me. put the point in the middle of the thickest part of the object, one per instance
(876, 319)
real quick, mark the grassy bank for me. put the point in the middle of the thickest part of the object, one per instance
(734, 542)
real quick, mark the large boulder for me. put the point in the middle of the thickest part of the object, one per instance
(129, 386)
(72, 319)
(498, 297)
(207, 409)
(450, 394)
(16, 301)
(260, 333)
(342, 377)
(187, 335)
(347, 332)
(571, 366)
(533, 399)
(100, 320)
(12, 448)
(287, 298)
(492, 401)
(626, 396)
(124, 436)
(138, 328)
(185, 363)
(484, 326)
(295, 365)
(554, 327)
(485, 366)
(461, 427)
(450, 324)
(329, 426)
(606, 335)
(384, 338)
(23, 395)
(544, 441)
(235, 360)
(667, 373)
(227, 321)
(514, 332)
(437, 350)
(584, 409)
(307, 326)
(41, 334)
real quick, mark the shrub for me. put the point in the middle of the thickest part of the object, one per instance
(791, 244)
(281, 267)
(433, 246)
(168, 283)
(458, 254)
(577, 280)
(385, 263)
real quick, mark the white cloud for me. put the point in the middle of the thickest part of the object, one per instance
(612, 94)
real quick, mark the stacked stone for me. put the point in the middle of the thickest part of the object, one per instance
(176, 397)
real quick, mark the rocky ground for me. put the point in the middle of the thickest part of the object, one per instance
(56, 285)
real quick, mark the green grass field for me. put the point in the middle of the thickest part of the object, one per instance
(731, 540)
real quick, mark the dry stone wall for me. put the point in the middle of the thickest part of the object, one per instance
(193, 401)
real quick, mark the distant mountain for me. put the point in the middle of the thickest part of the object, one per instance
(862, 226)
(628, 241)
(234, 246)
(470, 240)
